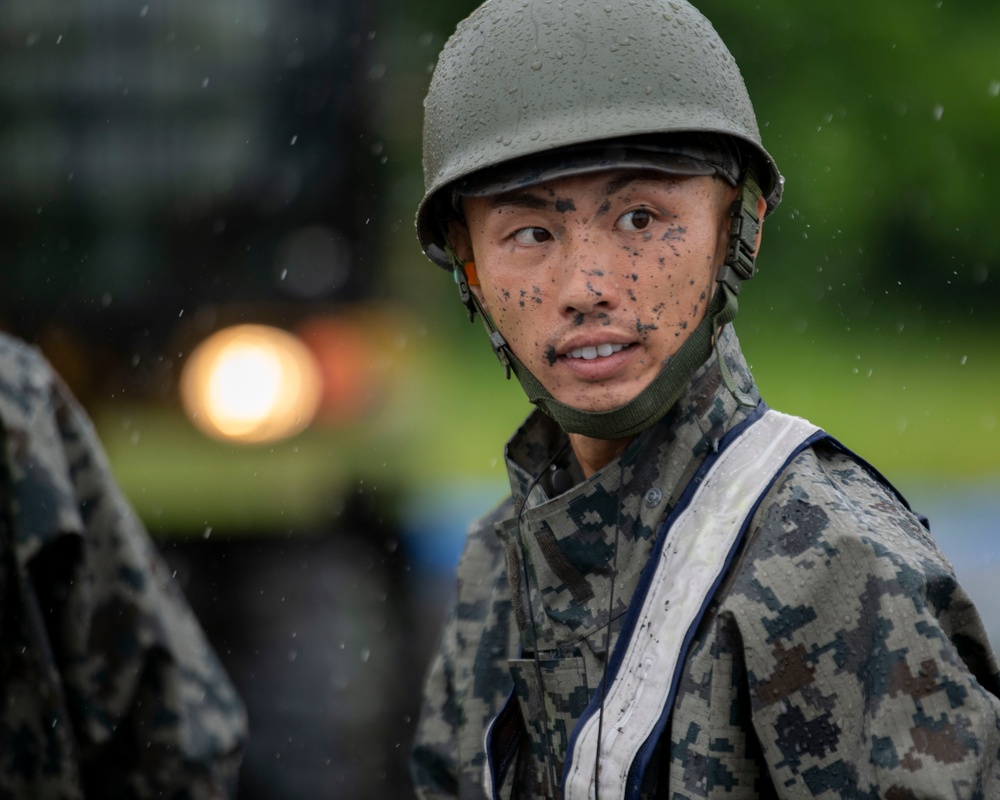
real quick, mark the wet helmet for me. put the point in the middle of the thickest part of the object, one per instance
(522, 77)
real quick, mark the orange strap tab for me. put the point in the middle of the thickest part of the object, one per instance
(470, 273)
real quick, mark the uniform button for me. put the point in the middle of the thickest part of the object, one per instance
(653, 497)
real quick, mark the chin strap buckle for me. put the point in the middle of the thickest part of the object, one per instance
(464, 293)
(497, 342)
(500, 349)
(448, 258)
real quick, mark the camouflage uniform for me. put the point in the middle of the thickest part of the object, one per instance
(838, 659)
(109, 687)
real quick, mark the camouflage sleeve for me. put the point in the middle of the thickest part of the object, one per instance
(151, 711)
(869, 670)
(469, 678)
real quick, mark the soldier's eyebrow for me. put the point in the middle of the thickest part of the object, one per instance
(619, 182)
(519, 199)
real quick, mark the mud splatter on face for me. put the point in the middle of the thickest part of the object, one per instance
(604, 319)
(642, 328)
(550, 355)
(562, 205)
(672, 235)
(579, 318)
(536, 295)
(604, 209)
(593, 291)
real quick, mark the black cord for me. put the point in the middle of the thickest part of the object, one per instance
(531, 613)
(607, 634)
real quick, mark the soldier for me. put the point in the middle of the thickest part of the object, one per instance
(688, 594)
(110, 689)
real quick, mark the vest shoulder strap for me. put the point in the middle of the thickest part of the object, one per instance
(692, 554)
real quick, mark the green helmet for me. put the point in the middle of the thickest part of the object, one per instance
(521, 78)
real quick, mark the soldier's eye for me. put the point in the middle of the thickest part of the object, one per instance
(532, 236)
(637, 220)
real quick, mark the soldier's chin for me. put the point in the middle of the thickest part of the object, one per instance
(614, 398)
(605, 401)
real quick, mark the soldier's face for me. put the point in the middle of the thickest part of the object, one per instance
(596, 280)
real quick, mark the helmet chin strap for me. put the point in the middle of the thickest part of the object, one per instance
(652, 403)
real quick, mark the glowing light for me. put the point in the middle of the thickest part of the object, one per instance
(251, 383)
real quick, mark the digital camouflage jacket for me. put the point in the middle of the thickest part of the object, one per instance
(837, 659)
(109, 687)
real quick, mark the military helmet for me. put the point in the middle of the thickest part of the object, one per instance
(522, 77)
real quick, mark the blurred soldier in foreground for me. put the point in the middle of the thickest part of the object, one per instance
(689, 594)
(109, 687)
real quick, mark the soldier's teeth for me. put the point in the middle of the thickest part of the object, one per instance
(603, 350)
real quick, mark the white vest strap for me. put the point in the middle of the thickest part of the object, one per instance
(689, 562)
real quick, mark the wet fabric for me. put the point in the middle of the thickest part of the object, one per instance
(838, 658)
(110, 689)
(612, 742)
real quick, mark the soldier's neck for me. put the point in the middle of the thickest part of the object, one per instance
(595, 454)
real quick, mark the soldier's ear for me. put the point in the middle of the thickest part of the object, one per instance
(459, 238)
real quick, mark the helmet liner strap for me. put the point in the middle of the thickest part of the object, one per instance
(744, 225)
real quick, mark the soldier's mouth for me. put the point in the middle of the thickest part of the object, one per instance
(596, 351)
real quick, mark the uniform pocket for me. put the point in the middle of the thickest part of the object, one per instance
(552, 697)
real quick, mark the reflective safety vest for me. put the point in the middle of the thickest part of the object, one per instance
(694, 549)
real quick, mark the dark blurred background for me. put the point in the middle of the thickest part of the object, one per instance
(174, 168)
